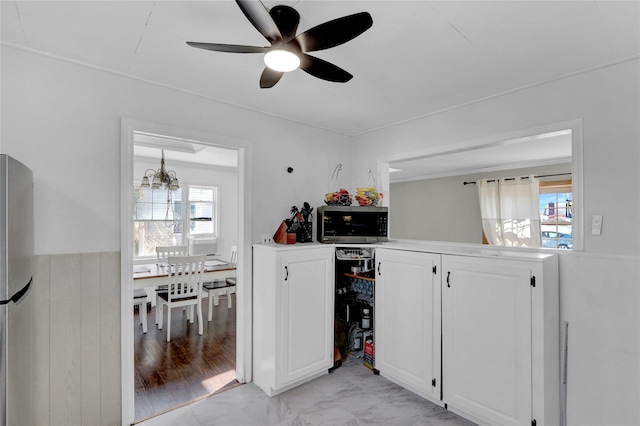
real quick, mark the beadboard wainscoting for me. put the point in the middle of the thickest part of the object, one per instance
(76, 328)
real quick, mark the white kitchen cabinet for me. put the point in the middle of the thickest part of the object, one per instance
(407, 320)
(500, 339)
(293, 299)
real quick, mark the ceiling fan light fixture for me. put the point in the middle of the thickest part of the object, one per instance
(281, 60)
(288, 50)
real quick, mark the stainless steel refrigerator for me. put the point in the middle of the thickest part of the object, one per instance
(16, 300)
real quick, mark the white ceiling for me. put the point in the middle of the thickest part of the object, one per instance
(187, 151)
(419, 57)
(530, 151)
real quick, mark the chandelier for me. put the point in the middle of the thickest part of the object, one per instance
(160, 178)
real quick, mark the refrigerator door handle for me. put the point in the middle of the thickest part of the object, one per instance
(19, 295)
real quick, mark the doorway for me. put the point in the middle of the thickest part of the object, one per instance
(162, 359)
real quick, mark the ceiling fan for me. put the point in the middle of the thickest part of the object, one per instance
(288, 50)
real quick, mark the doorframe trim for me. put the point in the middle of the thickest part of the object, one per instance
(244, 294)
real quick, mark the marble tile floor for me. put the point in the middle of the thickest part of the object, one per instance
(351, 396)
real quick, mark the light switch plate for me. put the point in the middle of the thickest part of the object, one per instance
(596, 224)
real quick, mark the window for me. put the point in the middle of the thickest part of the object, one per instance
(556, 214)
(158, 218)
(201, 210)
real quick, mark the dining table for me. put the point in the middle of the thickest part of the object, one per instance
(155, 274)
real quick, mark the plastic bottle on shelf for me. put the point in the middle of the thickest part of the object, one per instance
(365, 320)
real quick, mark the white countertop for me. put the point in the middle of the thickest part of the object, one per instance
(469, 249)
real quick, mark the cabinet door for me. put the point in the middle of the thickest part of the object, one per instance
(486, 333)
(407, 320)
(306, 314)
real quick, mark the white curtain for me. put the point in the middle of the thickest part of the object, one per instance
(509, 209)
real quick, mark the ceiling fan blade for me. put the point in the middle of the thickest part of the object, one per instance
(232, 48)
(323, 69)
(287, 20)
(335, 32)
(269, 78)
(259, 16)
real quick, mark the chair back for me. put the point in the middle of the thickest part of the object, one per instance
(233, 256)
(185, 276)
(164, 252)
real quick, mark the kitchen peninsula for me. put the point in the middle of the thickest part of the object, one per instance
(471, 328)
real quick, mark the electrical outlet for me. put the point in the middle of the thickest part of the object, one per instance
(267, 239)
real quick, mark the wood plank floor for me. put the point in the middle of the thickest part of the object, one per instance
(190, 366)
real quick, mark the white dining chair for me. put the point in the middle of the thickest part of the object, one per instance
(140, 300)
(164, 252)
(219, 288)
(184, 289)
(162, 255)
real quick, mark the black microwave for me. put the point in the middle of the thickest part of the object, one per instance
(351, 224)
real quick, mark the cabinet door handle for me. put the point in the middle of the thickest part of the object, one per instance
(286, 270)
(379, 263)
(448, 274)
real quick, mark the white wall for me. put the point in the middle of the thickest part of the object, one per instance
(199, 174)
(607, 100)
(598, 288)
(63, 121)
